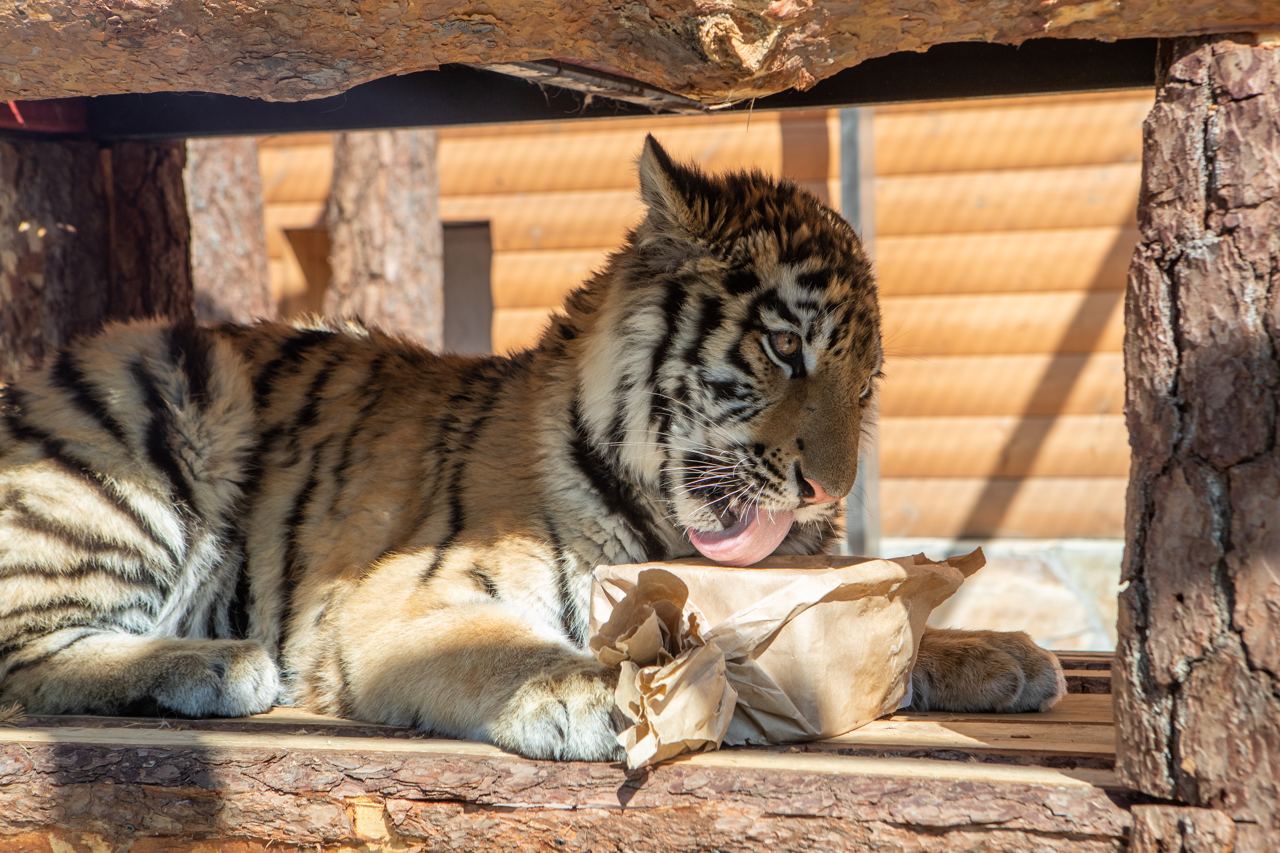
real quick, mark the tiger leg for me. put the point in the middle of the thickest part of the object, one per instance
(984, 671)
(88, 671)
(476, 670)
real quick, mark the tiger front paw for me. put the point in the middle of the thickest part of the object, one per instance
(985, 671)
(567, 715)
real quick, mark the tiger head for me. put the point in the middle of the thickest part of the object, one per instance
(727, 355)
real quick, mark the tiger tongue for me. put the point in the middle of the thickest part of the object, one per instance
(753, 538)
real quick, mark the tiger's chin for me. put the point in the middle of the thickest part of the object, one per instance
(747, 538)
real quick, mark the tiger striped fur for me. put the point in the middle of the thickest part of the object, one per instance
(210, 521)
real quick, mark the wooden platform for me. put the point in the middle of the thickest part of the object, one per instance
(289, 778)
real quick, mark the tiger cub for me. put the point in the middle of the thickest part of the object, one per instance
(211, 521)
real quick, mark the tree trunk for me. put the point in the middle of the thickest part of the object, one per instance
(1198, 704)
(228, 236)
(87, 235)
(384, 226)
(53, 239)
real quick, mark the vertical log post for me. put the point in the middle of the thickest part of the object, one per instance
(386, 249)
(228, 234)
(53, 248)
(1198, 667)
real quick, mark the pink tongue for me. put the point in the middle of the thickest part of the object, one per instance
(749, 541)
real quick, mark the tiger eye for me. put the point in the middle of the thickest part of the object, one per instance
(785, 344)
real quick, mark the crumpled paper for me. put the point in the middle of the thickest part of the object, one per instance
(792, 649)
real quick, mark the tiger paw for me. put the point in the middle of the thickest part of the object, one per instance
(215, 678)
(566, 715)
(985, 671)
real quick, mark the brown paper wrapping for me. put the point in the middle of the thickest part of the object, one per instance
(792, 649)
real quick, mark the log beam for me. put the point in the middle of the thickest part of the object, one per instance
(1198, 668)
(713, 53)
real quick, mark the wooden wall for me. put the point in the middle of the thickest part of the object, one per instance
(1003, 233)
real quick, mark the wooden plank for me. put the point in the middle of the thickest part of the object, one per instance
(979, 103)
(299, 172)
(997, 135)
(1032, 508)
(1029, 385)
(1084, 708)
(1087, 681)
(515, 329)
(1086, 660)
(1005, 261)
(1080, 322)
(979, 737)
(1004, 446)
(795, 762)
(541, 279)
(1020, 199)
(557, 220)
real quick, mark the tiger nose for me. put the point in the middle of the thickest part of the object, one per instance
(812, 492)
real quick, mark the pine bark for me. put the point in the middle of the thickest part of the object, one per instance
(1198, 669)
(386, 244)
(727, 50)
(53, 239)
(228, 235)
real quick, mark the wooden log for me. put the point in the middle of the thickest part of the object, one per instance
(1025, 508)
(1004, 446)
(1077, 197)
(1005, 261)
(999, 135)
(276, 49)
(150, 233)
(1029, 385)
(1198, 708)
(1175, 829)
(152, 787)
(228, 248)
(386, 247)
(54, 261)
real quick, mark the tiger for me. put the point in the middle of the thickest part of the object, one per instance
(210, 521)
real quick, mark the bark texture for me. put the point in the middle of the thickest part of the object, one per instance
(53, 248)
(730, 50)
(87, 235)
(1198, 700)
(84, 796)
(386, 244)
(228, 235)
(150, 233)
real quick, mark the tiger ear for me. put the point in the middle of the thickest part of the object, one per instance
(668, 189)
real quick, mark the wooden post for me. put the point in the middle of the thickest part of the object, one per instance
(87, 235)
(53, 239)
(228, 235)
(384, 225)
(1198, 704)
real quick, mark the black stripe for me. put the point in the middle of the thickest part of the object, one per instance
(817, 280)
(293, 569)
(618, 497)
(310, 411)
(484, 580)
(189, 351)
(741, 280)
(457, 517)
(81, 605)
(372, 383)
(292, 351)
(56, 452)
(238, 618)
(80, 570)
(50, 653)
(159, 452)
(69, 377)
(570, 613)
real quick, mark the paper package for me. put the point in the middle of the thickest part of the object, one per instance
(792, 649)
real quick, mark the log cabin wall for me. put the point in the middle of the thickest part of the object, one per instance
(1003, 231)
